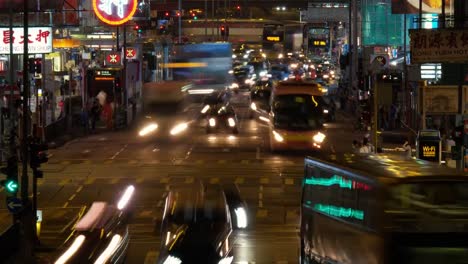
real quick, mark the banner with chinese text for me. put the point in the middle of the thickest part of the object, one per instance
(40, 40)
(439, 45)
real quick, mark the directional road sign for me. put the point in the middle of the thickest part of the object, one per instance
(14, 204)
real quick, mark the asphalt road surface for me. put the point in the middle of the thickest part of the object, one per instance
(98, 167)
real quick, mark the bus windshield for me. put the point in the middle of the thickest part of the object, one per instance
(298, 112)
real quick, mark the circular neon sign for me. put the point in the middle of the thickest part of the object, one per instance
(114, 12)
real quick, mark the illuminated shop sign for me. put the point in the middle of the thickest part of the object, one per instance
(429, 151)
(338, 180)
(39, 40)
(340, 212)
(114, 12)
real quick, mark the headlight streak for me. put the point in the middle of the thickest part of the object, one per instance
(178, 129)
(241, 217)
(319, 137)
(172, 260)
(205, 109)
(148, 129)
(231, 122)
(264, 119)
(71, 250)
(325, 111)
(277, 136)
(126, 197)
(110, 249)
(253, 106)
(226, 260)
(212, 122)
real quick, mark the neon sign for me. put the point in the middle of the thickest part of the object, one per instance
(114, 12)
(340, 212)
(338, 180)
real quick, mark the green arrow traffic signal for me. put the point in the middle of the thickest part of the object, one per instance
(11, 186)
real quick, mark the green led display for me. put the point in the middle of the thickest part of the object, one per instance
(340, 212)
(330, 181)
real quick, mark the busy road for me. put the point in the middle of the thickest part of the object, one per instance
(98, 167)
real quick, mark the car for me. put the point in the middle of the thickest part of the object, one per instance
(196, 226)
(260, 101)
(221, 117)
(101, 235)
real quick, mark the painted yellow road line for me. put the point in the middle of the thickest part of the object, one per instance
(222, 161)
(199, 162)
(239, 180)
(262, 213)
(164, 180)
(264, 180)
(65, 205)
(79, 189)
(133, 162)
(108, 162)
(114, 180)
(140, 179)
(64, 181)
(90, 180)
(65, 162)
(245, 161)
(189, 179)
(289, 181)
(72, 197)
(214, 180)
(87, 162)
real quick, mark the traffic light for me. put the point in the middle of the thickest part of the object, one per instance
(223, 31)
(11, 171)
(194, 16)
(138, 29)
(238, 7)
(117, 84)
(162, 29)
(38, 155)
(38, 66)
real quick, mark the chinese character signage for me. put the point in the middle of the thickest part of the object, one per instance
(114, 12)
(428, 6)
(39, 40)
(439, 99)
(439, 45)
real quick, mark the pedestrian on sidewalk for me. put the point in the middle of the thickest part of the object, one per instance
(95, 113)
(366, 147)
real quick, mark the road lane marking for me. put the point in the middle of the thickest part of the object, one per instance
(189, 179)
(264, 180)
(214, 180)
(199, 162)
(260, 196)
(239, 180)
(65, 162)
(222, 161)
(289, 181)
(39, 182)
(145, 213)
(64, 181)
(108, 162)
(245, 161)
(86, 162)
(79, 189)
(114, 180)
(90, 180)
(151, 257)
(72, 197)
(133, 162)
(140, 179)
(118, 152)
(65, 205)
(262, 213)
(164, 180)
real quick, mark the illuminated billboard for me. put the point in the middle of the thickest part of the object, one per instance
(428, 6)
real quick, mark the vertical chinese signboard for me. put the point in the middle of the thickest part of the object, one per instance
(39, 40)
(439, 45)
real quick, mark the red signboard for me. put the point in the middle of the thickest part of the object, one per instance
(130, 53)
(114, 12)
(113, 58)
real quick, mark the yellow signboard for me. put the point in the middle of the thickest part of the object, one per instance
(429, 151)
(273, 38)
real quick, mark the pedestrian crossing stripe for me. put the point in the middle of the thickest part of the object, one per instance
(64, 181)
(90, 180)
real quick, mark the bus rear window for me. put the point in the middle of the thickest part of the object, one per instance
(429, 206)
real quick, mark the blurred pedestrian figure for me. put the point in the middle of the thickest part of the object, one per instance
(408, 150)
(356, 146)
(85, 120)
(366, 147)
(95, 113)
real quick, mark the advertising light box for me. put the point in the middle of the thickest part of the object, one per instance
(39, 40)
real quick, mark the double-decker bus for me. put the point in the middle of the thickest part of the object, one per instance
(317, 39)
(273, 37)
(296, 116)
(379, 209)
